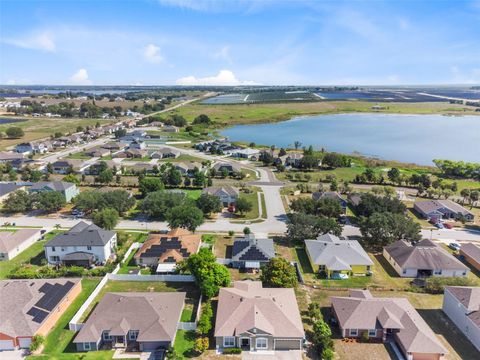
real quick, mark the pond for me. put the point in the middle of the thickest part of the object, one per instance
(9, 120)
(408, 138)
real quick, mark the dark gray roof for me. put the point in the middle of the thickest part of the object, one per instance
(423, 255)
(79, 255)
(251, 249)
(219, 190)
(6, 188)
(83, 234)
(53, 185)
(436, 205)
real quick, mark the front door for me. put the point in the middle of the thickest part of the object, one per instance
(245, 344)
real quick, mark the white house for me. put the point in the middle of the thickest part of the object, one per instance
(227, 194)
(82, 245)
(462, 306)
(13, 243)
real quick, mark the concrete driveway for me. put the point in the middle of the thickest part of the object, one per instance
(272, 355)
(13, 354)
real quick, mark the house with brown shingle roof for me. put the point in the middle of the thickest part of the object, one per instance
(462, 306)
(471, 254)
(170, 248)
(132, 321)
(442, 209)
(13, 243)
(423, 259)
(255, 318)
(387, 319)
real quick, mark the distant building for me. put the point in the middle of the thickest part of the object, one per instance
(442, 209)
(471, 254)
(13, 243)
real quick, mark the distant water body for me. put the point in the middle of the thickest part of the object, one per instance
(408, 138)
(9, 120)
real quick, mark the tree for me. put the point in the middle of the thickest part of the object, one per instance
(209, 204)
(149, 184)
(309, 162)
(394, 175)
(266, 158)
(184, 216)
(303, 226)
(246, 230)
(297, 144)
(282, 152)
(322, 335)
(381, 229)
(88, 201)
(173, 177)
(202, 119)
(334, 160)
(50, 201)
(120, 133)
(14, 132)
(324, 207)
(17, 202)
(371, 203)
(106, 218)
(314, 312)
(105, 176)
(157, 203)
(120, 200)
(279, 273)
(71, 178)
(243, 205)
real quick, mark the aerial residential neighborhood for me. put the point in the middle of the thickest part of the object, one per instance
(239, 180)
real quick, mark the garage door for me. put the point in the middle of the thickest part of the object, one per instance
(24, 343)
(6, 345)
(287, 344)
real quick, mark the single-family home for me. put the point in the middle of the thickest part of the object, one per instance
(170, 129)
(423, 259)
(254, 318)
(470, 252)
(137, 144)
(82, 245)
(7, 188)
(442, 209)
(13, 243)
(227, 194)
(251, 154)
(462, 306)
(32, 307)
(252, 251)
(95, 168)
(331, 195)
(133, 153)
(387, 319)
(115, 146)
(163, 251)
(6, 156)
(188, 168)
(97, 152)
(31, 148)
(67, 189)
(332, 256)
(66, 166)
(228, 168)
(136, 321)
(165, 153)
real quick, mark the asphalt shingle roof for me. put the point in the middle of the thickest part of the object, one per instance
(250, 248)
(83, 234)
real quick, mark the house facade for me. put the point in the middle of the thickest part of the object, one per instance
(442, 209)
(13, 243)
(68, 190)
(462, 306)
(82, 245)
(471, 253)
(258, 319)
(228, 195)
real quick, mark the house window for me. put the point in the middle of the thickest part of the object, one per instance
(438, 272)
(86, 346)
(133, 334)
(89, 248)
(228, 341)
(53, 248)
(55, 258)
(464, 272)
(321, 268)
(63, 249)
(372, 332)
(107, 336)
(353, 332)
(404, 271)
(261, 343)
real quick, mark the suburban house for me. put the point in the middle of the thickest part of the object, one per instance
(13, 243)
(136, 321)
(230, 169)
(442, 209)
(163, 251)
(170, 129)
(32, 307)
(471, 254)
(188, 168)
(67, 189)
(227, 194)
(97, 152)
(292, 159)
(132, 154)
(7, 188)
(165, 153)
(31, 148)
(95, 168)
(331, 195)
(423, 259)
(252, 251)
(332, 255)
(82, 245)
(66, 166)
(114, 146)
(462, 306)
(6, 156)
(254, 318)
(251, 154)
(387, 319)
(137, 144)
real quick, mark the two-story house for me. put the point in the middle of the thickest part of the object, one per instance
(227, 194)
(67, 189)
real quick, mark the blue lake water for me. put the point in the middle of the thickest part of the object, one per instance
(9, 120)
(408, 138)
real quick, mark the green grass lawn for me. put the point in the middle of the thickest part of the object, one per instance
(78, 156)
(264, 206)
(193, 194)
(252, 197)
(32, 255)
(184, 342)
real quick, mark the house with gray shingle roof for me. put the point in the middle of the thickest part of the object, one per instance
(136, 321)
(7, 188)
(333, 255)
(462, 306)
(67, 189)
(252, 251)
(423, 259)
(82, 245)
(387, 319)
(470, 252)
(14, 242)
(227, 194)
(442, 209)
(255, 318)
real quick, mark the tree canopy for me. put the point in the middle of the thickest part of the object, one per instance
(106, 218)
(279, 273)
(303, 226)
(185, 216)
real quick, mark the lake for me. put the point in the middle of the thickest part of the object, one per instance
(9, 120)
(408, 138)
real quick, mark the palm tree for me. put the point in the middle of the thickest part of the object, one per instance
(57, 226)
(297, 144)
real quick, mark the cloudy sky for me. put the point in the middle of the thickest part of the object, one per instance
(206, 42)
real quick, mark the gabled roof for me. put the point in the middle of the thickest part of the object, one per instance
(52, 185)
(6, 188)
(328, 195)
(220, 190)
(471, 250)
(468, 296)
(249, 248)
(335, 253)
(388, 313)
(10, 240)
(423, 255)
(249, 306)
(436, 205)
(154, 314)
(83, 234)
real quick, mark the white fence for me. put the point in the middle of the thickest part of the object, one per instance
(132, 247)
(187, 326)
(138, 277)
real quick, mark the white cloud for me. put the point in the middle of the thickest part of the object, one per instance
(223, 78)
(80, 78)
(39, 41)
(213, 5)
(152, 54)
(223, 54)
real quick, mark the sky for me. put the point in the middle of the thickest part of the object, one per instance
(239, 42)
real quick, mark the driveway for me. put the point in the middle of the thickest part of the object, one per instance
(13, 355)
(273, 355)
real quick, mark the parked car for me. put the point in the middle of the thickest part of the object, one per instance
(448, 225)
(339, 276)
(454, 246)
(439, 225)
(78, 213)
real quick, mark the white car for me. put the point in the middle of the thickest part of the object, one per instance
(454, 246)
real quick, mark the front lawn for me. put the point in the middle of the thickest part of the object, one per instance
(184, 342)
(252, 198)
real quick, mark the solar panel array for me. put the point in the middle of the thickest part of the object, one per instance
(239, 246)
(37, 314)
(166, 244)
(52, 295)
(253, 254)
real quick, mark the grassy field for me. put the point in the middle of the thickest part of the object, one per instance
(226, 115)
(252, 197)
(32, 255)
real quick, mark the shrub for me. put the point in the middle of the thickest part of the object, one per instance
(364, 336)
(201, 344)
(436, 285)
(232, 351)
(37, 340)
(327, 354)
(205, 321)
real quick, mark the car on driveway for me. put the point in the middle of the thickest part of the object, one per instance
(454, 246)
(439, 225)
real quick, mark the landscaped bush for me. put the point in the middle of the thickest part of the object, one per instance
(232, 351)
(327, 354)
(436, 285)
(205, 321)
(364, 336)
(37, 340)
